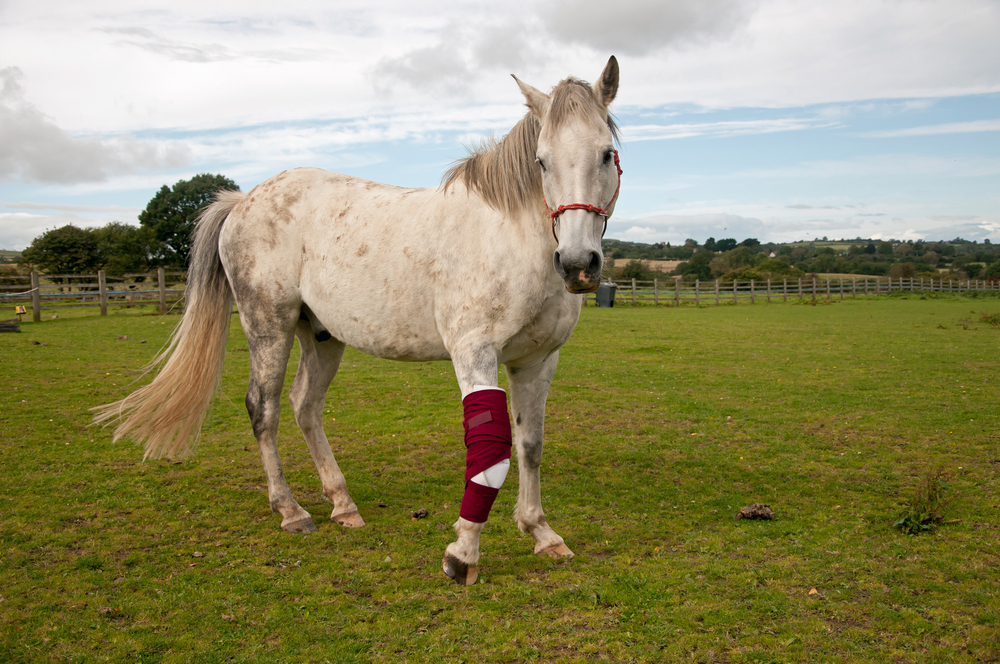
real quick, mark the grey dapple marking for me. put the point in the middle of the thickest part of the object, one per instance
(467, 271)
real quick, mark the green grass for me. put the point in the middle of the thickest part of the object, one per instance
(662, 423)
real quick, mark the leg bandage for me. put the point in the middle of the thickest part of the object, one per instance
(487, 459)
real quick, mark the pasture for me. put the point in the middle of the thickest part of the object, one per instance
(661, 424)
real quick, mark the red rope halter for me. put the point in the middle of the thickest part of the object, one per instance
(603, 211)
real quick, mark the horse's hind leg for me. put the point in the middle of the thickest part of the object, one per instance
(270, 341)
(529, 388)
(318, 364)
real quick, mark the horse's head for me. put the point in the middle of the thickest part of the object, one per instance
(579, 169)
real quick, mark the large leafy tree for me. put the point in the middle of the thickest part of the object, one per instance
(65, 250)
(124, 248)
(171, 214)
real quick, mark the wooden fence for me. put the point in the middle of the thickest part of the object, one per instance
(167, 289)
(671, 292)
(51, 291)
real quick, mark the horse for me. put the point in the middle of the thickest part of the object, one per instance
(486, 269)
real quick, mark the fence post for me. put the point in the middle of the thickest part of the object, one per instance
(633, 291)
(769, 291)
(36, 299)
(800, 289)
(784, 289)
(162, 279)
(716, 292)
(677, 292)
(102, 289)
(697, 285)
(656, 292)
(734, 291)
(814, 289)
(751, 292)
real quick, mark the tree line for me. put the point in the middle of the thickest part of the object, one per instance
(162, 239)
(728, 259)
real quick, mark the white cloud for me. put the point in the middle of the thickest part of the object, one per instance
(36, 150)
(102, 209)
(973, 126)
(881, 165)
(651, 132)
(640, 27)
(678, 227)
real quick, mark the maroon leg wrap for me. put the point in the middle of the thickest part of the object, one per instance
(488, 441)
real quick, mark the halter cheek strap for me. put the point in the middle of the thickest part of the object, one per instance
(603, 211)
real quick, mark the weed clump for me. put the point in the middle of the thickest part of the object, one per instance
(991, 319)
(927, 506)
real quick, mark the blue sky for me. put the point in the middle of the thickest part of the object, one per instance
(776, 119)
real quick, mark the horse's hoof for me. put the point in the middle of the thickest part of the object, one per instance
(462, 574)
(348, 519)
(305, 525)
(557, 551)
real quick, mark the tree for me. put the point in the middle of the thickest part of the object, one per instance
(710, 244)
(885, 248)
(124, 248)
(731, 260)
(171, 214)
(752, 242)
(905, 270)
(726, 244)
(870, 249)
(66, 250)
(699, 267)
(633, 270)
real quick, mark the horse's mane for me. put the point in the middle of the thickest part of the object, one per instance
(504, 172)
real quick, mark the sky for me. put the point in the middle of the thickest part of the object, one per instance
(782, 120)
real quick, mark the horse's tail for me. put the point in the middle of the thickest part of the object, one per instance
(166, 415)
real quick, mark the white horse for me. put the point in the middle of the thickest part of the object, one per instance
(479, 271)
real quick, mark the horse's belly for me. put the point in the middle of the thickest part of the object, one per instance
(404, 336)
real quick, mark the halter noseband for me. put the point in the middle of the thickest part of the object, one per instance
(603, 211)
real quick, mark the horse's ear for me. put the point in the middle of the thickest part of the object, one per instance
(537, 100)
(607, 85)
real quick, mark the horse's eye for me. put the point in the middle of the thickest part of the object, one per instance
(608, 154)
(540, 162)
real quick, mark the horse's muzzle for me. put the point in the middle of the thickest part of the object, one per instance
(581, 288)
(582, 274)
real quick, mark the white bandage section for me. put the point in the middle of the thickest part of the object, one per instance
(495, 475)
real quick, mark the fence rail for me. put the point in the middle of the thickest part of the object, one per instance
(91, 290)
(98, 290)
(671, 292)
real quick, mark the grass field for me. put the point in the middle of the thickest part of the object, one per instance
(662, 424)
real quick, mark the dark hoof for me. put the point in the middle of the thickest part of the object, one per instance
(305, 525)
(461, 573)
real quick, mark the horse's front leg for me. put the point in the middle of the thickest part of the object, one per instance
(488, 443)
(529, 388)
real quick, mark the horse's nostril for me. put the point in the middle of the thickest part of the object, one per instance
(595, 262)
